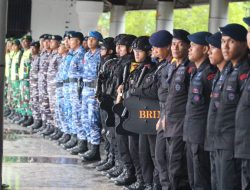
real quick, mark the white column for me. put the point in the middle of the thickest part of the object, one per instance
(88, 14)
(164, 16)
(218, 14)
(117, 20)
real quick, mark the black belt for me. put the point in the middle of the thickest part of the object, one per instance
(66, 81)
(75, 79)
(91, 84)
(59, 84)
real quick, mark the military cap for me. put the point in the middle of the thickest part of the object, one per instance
(16, 42)
(27, 37)
(10, 39)
(199, 38)
(181, 35)
(46, 36)
(67, 33)
(214, 40)
(77, 35)
(42, 36)
(126, 40)
(247, 20)
(108, 43)
(95, 34)
(235, 31)
(85, 38)
(56, 37)
(142, 43)
(162, 38)
(35, 44)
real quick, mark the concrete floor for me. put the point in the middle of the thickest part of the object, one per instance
(34, 163)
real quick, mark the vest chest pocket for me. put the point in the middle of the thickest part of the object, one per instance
(230, 95)
(197, 98)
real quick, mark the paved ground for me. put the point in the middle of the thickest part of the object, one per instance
(33, 163)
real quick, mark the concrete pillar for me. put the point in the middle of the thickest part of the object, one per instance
(3, 24)
(164, 16)
(117, 20)
(88, 14)
(217, 14)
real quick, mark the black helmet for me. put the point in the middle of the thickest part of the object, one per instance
(118, 37)
(126, 40)
(142, 43)
(108, 43)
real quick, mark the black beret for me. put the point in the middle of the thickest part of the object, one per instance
(16, 42)
(56, 37)
(161, 38)
(247, 20)
(42, 36)
(77, 35)
(214, 40)
(181, 35)
(235, 31)
(118, 37)
(67, 33)
(35, 44)
(126, 40)
(47, 37)
(199, 38)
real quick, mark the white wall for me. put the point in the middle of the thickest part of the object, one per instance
(50, 16)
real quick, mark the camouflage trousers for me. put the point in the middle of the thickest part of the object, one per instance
(34, 100)
(52, 101)
(66, 115)
(90, 117)
(24, 108)
(75, 101)
(59, 113)
(15, 95)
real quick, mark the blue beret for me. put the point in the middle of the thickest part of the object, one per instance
(35, 44)
(181, 35)
(96, 35)
(161, 38)
(214, 40)
(235, 31)
(78, 35)
(56, 37)
(247, 20)
(199, 38)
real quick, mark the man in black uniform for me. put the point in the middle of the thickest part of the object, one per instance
(242, 128)
(178, 82)
(196, 112)
(161, 43)
(234, 49)
(216, 59)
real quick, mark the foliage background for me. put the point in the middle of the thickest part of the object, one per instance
(193, 20)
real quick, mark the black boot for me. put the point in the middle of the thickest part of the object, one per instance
(115, 171)
(82, 147)
(127, 177)
(92, 155)
(57, 135)
(37, 124)
(148, 186)
(157, 186)
(102, 162)
(21, 120)
(71, 143)
(28, 122)
(108, 165)
(64, 139)
(138, 185)
(49, 130)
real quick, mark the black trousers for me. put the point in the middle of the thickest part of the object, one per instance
(245, 174)
(161, 160)
(214, 180)
(134, 152)
(177, 163)
(228, 170)
(147, 159)
(198, 164)
(113, 143)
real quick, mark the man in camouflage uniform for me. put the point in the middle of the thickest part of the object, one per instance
(90, 130)
(24, 69)
(34, 92)
(54, 62)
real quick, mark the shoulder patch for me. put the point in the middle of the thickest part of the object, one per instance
(243, 76)
(211, 76)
